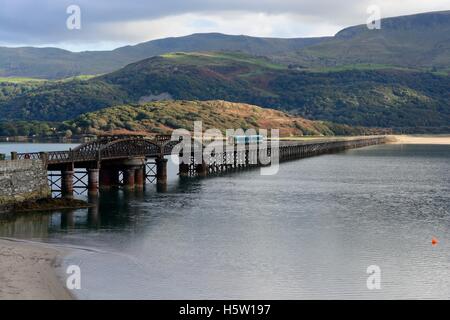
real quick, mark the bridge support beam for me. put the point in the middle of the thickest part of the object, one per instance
(129, 178)
(139, 177)
(247, 155)
(93, 181)
(109, 178)
(67, 183)
(183, 169)
(161, 171)
(202, 169)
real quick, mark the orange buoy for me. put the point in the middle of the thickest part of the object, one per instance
(434, 241)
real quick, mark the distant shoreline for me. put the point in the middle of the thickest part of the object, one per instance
(19, 139)
(28, 271)
(421, 139)
(401, 138)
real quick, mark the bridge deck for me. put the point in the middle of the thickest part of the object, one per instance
(109, 149)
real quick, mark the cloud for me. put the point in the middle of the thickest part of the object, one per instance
(110, 23)
(262, 25)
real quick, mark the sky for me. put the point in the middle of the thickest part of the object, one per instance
(108, 24)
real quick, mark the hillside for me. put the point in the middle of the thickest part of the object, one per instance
(53, 63)
(164, 116)
(378, 97)
(420, 42)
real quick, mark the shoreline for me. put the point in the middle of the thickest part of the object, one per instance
(420, 139)
(42, 205)
(29, 271)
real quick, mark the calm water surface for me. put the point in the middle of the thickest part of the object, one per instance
(311, 231)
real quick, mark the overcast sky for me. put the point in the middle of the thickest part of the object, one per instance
(107, 24)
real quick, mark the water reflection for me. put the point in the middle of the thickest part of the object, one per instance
(113, 208)
(26, 226)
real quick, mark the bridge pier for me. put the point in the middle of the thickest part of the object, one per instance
(93, 175)
(139, 177)
(202, 169)
(129, 178)
(161, 171)
(67, 183)
(109, 177)
(183, 169)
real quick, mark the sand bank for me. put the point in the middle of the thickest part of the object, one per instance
(421, 139)
(28, 271)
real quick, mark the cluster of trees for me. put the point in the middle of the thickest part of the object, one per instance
(26, 128)
(58, 101)
(9, 90)
(381, 98)
(38, 129)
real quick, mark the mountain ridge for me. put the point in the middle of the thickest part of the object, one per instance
(413, 41)
(55, 63)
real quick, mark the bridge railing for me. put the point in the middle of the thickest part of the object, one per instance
(29, 156)
(58, 156)
(128, 148)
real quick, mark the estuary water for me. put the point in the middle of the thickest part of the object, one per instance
(311, 231)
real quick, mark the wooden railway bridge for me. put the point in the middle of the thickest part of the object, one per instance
(133, 161)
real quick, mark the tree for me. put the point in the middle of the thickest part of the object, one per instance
(68, 133)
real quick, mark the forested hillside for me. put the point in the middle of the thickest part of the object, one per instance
(373, 97)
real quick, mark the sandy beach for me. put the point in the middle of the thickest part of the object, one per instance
(421, 139)
(28, 271)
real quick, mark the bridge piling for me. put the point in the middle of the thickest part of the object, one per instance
(183, 169)
(161, 171)
(109, 177)
(93, 180)
(202, 169)
(129, 178)
(139, 178)
(67, 183)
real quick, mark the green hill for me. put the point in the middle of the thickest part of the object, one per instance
(363, 97)
(53, 63)
(420, 41)
(165, 116)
